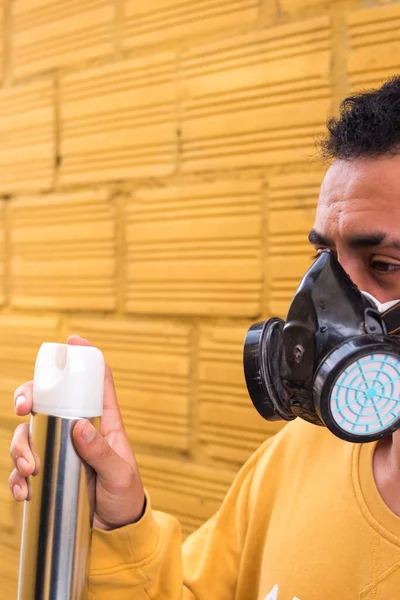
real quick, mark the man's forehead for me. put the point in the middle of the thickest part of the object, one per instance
(360, 198)
(360, 203)
(362, 178)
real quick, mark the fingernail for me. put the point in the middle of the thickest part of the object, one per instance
(17, 490)
(19, 400)
(88, 432)
(22, 463)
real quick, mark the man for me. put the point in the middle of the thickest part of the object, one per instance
(310, 516)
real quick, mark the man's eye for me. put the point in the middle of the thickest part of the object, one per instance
(384, 267)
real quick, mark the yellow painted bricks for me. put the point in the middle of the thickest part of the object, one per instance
(159, 173)
(194, 249)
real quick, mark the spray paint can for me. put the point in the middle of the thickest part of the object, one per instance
(56, 531)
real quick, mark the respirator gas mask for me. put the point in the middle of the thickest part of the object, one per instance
(335, 361)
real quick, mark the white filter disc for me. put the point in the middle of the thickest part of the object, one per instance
(68, 381)
(366, 396)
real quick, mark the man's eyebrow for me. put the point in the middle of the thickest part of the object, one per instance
(367, 240)
(318, 239)
(372, 240)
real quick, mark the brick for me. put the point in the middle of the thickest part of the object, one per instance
(150, 363)
(119, 121)
(9, 570)
(257, 99)
(296, 6)
(63, 251)
(162, 21)
(27, 147)
(374, 52)
(3, 35)
(292, 203)
(20, 339)
(194, 249)
(3, 254)
(190, 492)
(53, 33)
(230, 427)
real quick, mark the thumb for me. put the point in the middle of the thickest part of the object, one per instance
(113, 471)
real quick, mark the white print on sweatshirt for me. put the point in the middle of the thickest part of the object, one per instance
(273, 594)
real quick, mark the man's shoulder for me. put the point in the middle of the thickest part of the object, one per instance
(298, 442)
(294, 456)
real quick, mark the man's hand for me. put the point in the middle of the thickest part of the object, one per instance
(119, 489)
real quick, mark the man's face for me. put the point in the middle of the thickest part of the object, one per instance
(358, 217)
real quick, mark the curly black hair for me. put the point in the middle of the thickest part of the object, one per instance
(368, 125)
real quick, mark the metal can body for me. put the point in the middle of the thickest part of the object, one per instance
(57, 520)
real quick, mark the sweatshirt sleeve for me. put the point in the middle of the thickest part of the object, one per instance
(146, 560)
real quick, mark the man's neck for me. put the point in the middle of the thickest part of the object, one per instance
(386, 467)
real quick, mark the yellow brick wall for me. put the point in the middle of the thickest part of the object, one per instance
(158, 174)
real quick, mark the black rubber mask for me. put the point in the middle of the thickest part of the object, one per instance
(333, 362)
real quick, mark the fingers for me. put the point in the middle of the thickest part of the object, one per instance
(77, 340)
(24, 463)
(21, 454)
(19, 486)
(119, 493)
(95, 450)
(23, 397)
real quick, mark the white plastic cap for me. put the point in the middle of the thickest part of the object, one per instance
(68, 381)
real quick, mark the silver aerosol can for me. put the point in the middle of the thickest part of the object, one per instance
(56, 531)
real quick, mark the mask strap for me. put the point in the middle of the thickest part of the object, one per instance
(391, 318)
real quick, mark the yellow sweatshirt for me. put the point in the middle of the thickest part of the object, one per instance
(303, 520)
